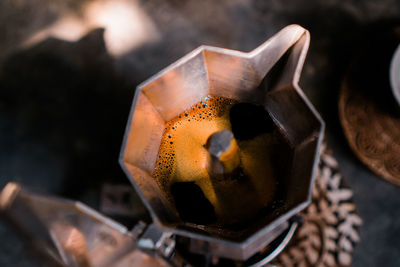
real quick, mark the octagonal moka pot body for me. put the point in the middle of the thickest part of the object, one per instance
(267, 76)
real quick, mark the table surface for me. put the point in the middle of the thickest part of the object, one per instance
(66, 86)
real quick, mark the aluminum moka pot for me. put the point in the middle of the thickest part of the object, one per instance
(266, 76)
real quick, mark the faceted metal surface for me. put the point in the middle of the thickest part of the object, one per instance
(70, 233)
(268, 76)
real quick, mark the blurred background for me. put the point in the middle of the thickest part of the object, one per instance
(69, 68)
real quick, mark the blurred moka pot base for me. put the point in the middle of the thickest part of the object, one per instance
(277, 166)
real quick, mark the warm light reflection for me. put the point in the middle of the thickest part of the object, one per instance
(126, 26)
(68, 28)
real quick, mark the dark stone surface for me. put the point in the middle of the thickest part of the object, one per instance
(64, 105)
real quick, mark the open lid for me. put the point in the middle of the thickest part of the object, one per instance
(72, 234)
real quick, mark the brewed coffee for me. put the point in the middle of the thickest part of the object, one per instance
(181, 168)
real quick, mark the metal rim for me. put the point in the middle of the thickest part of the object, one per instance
(394, 74)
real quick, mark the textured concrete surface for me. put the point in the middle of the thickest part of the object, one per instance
(66, 86)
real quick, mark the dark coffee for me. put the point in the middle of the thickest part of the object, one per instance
(181, 167)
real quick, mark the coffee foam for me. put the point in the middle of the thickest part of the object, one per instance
(183, 158)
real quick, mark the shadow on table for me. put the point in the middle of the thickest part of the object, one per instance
(67, 97)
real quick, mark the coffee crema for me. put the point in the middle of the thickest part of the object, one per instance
(181, 166)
